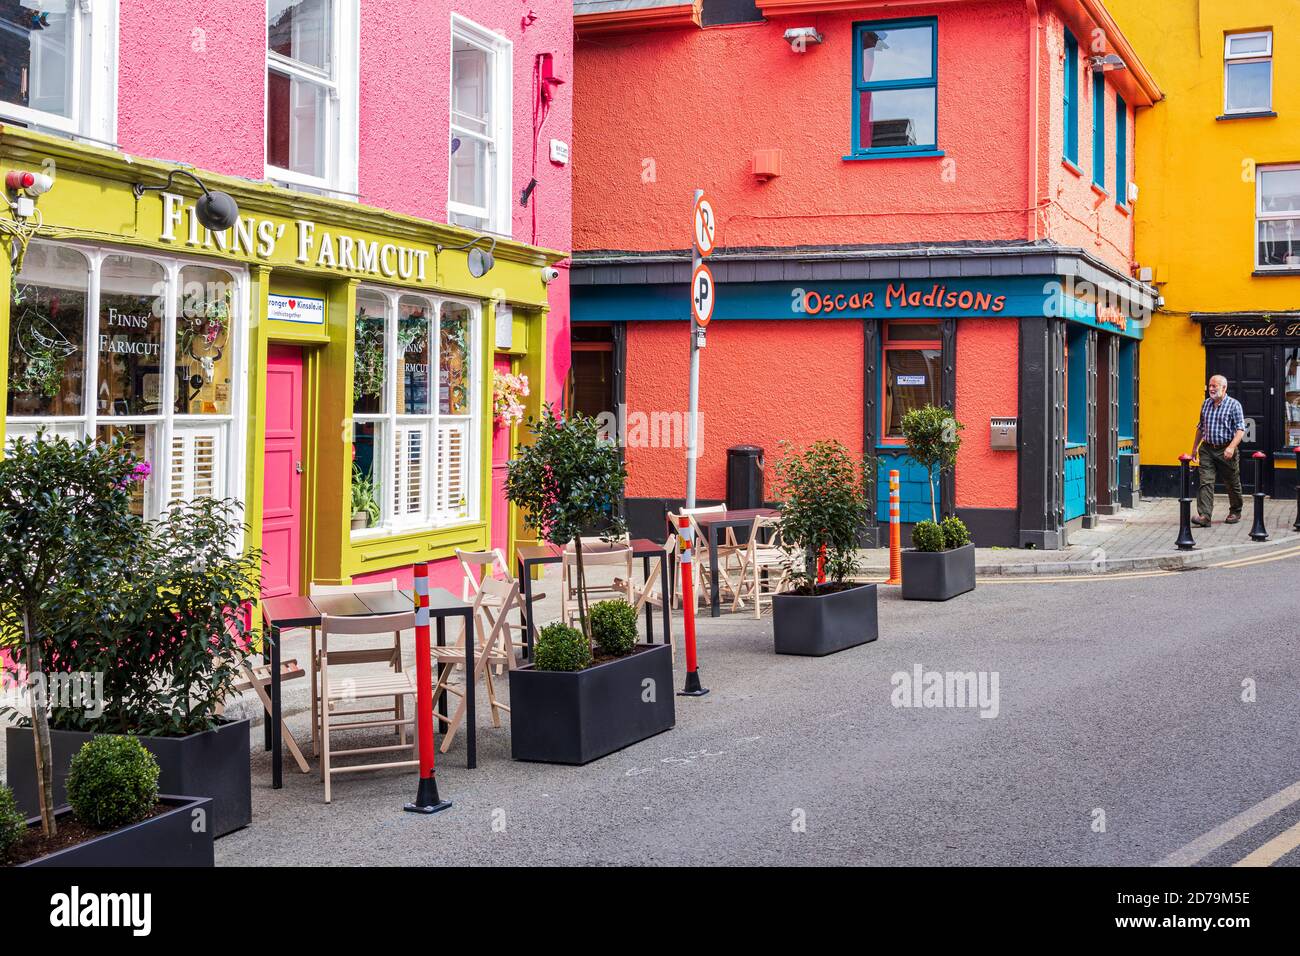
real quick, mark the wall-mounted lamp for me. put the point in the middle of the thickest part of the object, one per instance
(800, 37)
(1111, 61)
(479, 260)
(215, 210)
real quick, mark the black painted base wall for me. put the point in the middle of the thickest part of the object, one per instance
(1163, 481)
(992, 527)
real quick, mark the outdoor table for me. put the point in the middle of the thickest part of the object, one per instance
(292, 611)
(711, 525)
(528, 556)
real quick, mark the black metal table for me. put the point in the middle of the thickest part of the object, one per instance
(529, 556)
(280, 613)
(710, 526)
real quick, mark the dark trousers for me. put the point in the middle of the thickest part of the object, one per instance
(1213, 465)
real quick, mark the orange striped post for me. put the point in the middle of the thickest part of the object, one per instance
(895, 533)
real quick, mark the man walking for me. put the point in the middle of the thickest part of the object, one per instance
(1219, 431)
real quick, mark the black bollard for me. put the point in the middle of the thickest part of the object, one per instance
(1185, 542)
(1259, 532)
(1296, 526)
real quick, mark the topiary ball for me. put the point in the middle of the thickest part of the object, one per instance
(12, 823)
(955, 532)
(613, 625)
(927, 536)
(561, 648)
(112, 782)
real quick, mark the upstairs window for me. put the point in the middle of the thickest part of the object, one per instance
(1248, 72)
(895, 87)
(480, 167)
(1099, 130)
(1070, 147)
(1121, 151)
(1277, 217)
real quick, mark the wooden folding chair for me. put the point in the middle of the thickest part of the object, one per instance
(649, 591)
(620, 588)
(765, 567)
(479, 566)
(337, 690)
(588, 544)
(728, 553)
(257, 677)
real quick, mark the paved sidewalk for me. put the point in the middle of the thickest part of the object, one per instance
(1140, 538)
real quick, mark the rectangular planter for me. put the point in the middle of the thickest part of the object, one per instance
(820, 624)
(576, 717)
(938, 575)
(173, 838)
(214, 763)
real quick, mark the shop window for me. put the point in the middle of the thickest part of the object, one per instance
(57, 68)
(1248, 72)
(895, 87)
(1099, 130)
(1277, 217)
(1291, 387)
(912, 369)
(1070, 104)
(480, 168)
(147, 350)
(1121, 151)
(311, 95)
(413, 457)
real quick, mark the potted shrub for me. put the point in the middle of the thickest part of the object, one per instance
(933, 437)
(365, 501)
(116, 816)
(941, 562)
(569, 705)
(824, 496)
(128, 627)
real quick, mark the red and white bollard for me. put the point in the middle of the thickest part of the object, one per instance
(685, 547)
(426, 797)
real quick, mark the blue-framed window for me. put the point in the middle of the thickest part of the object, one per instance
(1071, 98)
(1121, 151)
(1099, 129)
(895, 87)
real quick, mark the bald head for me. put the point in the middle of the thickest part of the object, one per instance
(1218, 388)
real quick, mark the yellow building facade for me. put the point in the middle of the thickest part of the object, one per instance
(1218, 225)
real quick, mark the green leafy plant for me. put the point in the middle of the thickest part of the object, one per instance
(933, 437)
(37, 370)
(561, 648)
(613, 625)
(112, 782)
(927, 536)
(955, 532)
(368, 356)
(365, 497)
(12, 823)
(825, 498)
(566, 478)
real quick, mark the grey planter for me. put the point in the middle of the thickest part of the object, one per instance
(575, 717)
(821, 624)
(182, 836)
(938, 575)
(215, 763)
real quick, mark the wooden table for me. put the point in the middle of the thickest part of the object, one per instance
(711, 526)
(279, 613)
(528, 556)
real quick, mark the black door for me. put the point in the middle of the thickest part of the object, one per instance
(1249, 372)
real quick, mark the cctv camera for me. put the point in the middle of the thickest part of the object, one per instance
(550, 274)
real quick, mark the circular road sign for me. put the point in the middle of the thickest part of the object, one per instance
(703, 295)
(706, 227)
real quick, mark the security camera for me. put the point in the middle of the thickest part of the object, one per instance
(550, 274)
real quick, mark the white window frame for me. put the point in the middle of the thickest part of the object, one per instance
(92, 94)
(1230, 59)
(433, 423)
(500, 214)
(1262, 215)
(342, 131)
(166, 423)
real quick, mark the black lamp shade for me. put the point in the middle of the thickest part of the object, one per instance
(216, 211)
(480, 261)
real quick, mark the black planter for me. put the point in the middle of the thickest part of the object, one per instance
(214, 763)
(177, 837)
(820, 624)
(938, 575)
(579, 716)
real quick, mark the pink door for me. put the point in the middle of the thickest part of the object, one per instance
(282, 481)
(500, 455)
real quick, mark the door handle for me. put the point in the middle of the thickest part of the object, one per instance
(297, 467)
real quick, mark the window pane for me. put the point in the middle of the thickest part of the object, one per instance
(1279, 190)
(141, 440)
(911, 381)
(1247, 45)
(470, 165)
(413, 359)
(471, 86)
(367, 474)
(369, 367)
(131, 307)
(47, 332)
(300, 30)
(36, 43)
(1249, 86)
(900, 54)
(204, 316)
(897, 118)
(912, 332)
(295, 124)
(454, 360)
(195, 466)
(1279, 242)
(1291, 369)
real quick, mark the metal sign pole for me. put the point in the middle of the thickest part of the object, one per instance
(693, 402)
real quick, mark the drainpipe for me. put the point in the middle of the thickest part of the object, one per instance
(1031, 171)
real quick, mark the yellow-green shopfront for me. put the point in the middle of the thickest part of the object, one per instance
(315, 346)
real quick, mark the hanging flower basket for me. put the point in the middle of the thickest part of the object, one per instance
(508, 393)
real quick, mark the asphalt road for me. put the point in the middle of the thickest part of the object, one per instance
(1119, 696)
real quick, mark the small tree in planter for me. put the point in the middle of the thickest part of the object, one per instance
(933, 438)
(941, 563)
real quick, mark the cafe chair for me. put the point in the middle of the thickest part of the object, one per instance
(621, 587)
(257, 678)
(590, 543)
(765, 566)
(390, 653)
(343, 689)
(728, 553)
(477, 567)
(649, 591)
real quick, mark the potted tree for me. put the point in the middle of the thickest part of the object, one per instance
(825, 495)
(570, 705)
(116, 817)
(130, 627)
(365, 501)
(941, 563)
